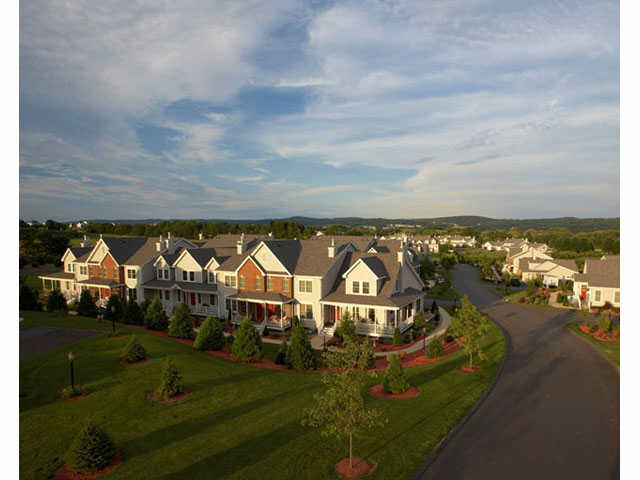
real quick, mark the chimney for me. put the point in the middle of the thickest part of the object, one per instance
(241, 245)
(200, 236)
(332, 248)
(401, 256)
(170, 243)
(159, 244)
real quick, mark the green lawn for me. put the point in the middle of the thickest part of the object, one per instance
(610, 349)
(239, 421)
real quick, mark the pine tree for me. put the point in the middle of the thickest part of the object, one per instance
(210, 336)
(87, 307)
(397, 337)
(132, 313)
(91, 450)
(347, 328)
(281, 357)
(300, 354)
(156, 318)
(134, 351)
(181, 325)
(339, 409)
(434, 307)
(395, 380)
(114, 309)
(171, 383)
(247, 345)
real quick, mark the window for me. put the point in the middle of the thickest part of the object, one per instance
(356, 313)
(617, 297)
(270, 284)
(418, 305)
(67, 285)
(212, 277)
(234, 306)
(166, 294)
(258, 283)
(305, 286)
(285, 284)
(365, 288)
(230, 281)
(184, 275)
(131, 273)
(372, 315)
(355, 286)
(213, 300)
(83, 270)
(133, 293)
(306, 311)
(199, 299)
(115, 273)
(242, 282)
(69, 267)
(597, 299)
(192, 276)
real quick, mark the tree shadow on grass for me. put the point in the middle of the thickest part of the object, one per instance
(249, 452)
(230, 379)
(192, 427)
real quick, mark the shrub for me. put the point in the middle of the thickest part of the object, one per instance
(300, 353)
(448, 335)
(229, 340)
(87, 307)
(395, 380)
(247, 346)
(134, 351)
(593, 328)
(132, 313)
(145, 305)
(210, 336)
(281, 357)
(434, 349)
(91, 450)
(604, 323)
(56, 302)
(171, 382)
(397, 338)
(181, 325)
(347, 327)
(28, 298)
(155, 318)
(114, 309)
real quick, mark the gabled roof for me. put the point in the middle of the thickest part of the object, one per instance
(202, 255)
(80, 251)
(604, 272)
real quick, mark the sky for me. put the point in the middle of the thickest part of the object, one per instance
(244, 110)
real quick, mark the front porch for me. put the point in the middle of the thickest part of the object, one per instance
(274, 316)
(171, 294)
(369, 320)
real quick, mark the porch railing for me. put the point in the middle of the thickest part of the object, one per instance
(281, 323)
(309, 323)
(203, 309)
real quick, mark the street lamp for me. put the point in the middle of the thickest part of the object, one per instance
(70, 357)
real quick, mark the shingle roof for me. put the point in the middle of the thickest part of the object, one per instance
(60, 275)
(202, 255)
(123, 249)
(80, 251)
(604, 272)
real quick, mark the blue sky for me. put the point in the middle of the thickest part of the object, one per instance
(226, 109)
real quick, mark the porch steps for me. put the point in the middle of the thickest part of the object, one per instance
(328, 331)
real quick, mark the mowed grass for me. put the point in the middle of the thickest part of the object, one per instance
(610, 349)
(239, 422)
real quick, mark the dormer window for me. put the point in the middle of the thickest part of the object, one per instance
(192, 276)
(355, 286)
(365, 288)
(184, 275)
(212, 277)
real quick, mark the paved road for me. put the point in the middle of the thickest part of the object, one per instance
(554, 412)
(39, 339)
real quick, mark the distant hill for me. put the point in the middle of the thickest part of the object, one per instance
(476, 222)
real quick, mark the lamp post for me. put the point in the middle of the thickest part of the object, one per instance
(424, 338)
(70, 357)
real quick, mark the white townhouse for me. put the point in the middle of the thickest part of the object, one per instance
(599, 284)
(552, 272)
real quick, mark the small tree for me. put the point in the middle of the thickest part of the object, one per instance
(434, 307)
(506, 277)
(604, 323)
(171, 382)
(395, 380)
(114, 310)
(91, 450)
(87, 307)
(132, 313)
(210, 336)
(347, 327)
(281, 357)
(156, 318)
(134, 351)
(300, 353)
(397, 337)
(419, 321)
(56, 302)
(339, 409)
(247, 345)
(28, 298)
(181, 325)
(469, 326)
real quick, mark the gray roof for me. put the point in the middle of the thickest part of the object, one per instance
(80, 251)
(604, 272)
(202, 255)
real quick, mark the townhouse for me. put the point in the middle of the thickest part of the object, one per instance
(599, 284)
(515, 256)
(457, 240)
(552, 272)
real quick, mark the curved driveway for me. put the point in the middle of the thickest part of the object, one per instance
(554, 412)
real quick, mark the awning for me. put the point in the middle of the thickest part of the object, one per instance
(261, 297)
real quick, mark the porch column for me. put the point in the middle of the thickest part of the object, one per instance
(266, 313)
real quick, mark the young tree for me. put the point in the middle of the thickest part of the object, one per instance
(434, 349)
(171, 382)
(281, 357)
(300, 353)
(506, 277)
(419, 321)
(156, 318)
(56, 302)
(210, 336)
(339, 409)
(469, 326)
(395, 380)
(347, 327)
(134, 351)
(28, 298)
(434, 307)
(181, 325)
(91, 450)
(132, 313)
(247, 345)
(114, 309)
(398, 339)
(87, 307)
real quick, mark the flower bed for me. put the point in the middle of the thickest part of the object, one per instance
(360, 468)
(378, 391)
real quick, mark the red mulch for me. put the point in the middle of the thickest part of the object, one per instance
(614, 336)
(466, 368)
(124, 362)
(379, 392)
(73, 399)
(360, 468)
(65, 473)
(180, 397)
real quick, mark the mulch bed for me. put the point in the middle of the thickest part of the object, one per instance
(180, 397)
(124, 362)
(467, 368)
(73, 399)
(379, 392)
(614, 336)
(65, 473)
(360, 468)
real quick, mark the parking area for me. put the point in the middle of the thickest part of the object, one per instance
(39, 339)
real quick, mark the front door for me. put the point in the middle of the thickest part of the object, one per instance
(259, 313)
(193, 298)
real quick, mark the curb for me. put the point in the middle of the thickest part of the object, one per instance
(435, 453)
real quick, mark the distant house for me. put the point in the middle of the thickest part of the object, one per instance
(599, 283)
(551, 271)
